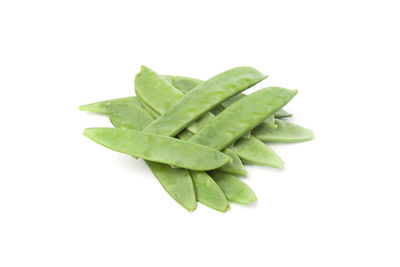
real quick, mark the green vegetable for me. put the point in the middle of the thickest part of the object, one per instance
(285, 132)
(177, 182)
(235, 190)
(158, 148)
(253, 151)
(208, 192)
(242, 116)
(208, 117)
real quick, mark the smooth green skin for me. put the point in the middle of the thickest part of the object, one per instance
(270, 120)
(128, 116)
(280, 114)
(147, 84)
(208, 192)
(200, 99)
(158, 148)
(177, 182)
(235, 190)
(242, 116)
(253, 151)
(285, 132)
(101, 106)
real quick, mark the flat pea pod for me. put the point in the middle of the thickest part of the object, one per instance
(242, 116)
(158, 148)
(280, 114)
(147, 83)
(128, 116)
(235, 190)
(101, 106)
(285, 132)
(208, 192)
(177, 182)
(253, 151)
(202, 98)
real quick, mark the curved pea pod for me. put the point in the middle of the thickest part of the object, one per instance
(128, 116)
(235, 190)
(281, 114)
(242, 116)
(147, 87)
(285, 132)
(253, 151)
(203, 98)
(158, 148)
(177, 182)
(208, 192)
(101, 106)
(235, 166)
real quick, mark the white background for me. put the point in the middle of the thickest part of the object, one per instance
(66, 201)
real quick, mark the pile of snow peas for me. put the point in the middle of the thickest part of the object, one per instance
(196, 135)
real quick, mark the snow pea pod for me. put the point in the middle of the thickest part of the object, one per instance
(285, 132)
(208, 192)
(242, 116)
(101, 106)
(235, 190)
(177, 182)
(158, 148)
(147, 84)
(253, 151)
(202, 98)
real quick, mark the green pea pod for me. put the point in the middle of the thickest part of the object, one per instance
(128, 116)
(253, 151)
(177, 182)
(235, 190)
(200, 99)
(158, 148)
(101, 107)
(208, 192)
(147, 84)
(285, 132)
(242, 116)
(280, 114)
